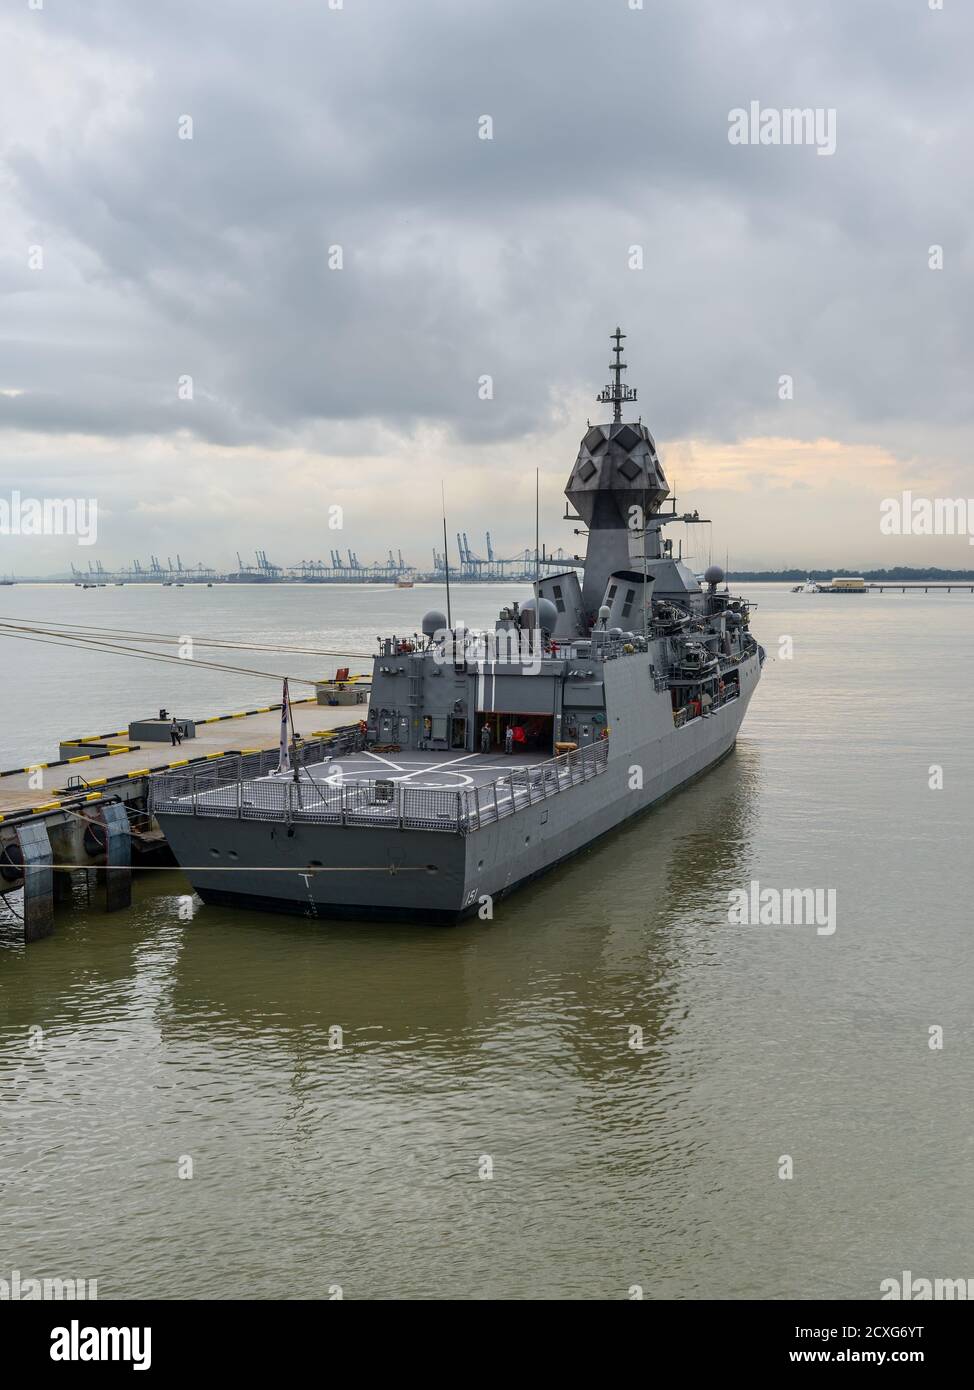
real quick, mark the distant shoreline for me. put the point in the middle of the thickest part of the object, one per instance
(891, 576)
(789, 576)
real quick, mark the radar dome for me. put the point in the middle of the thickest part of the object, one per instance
(713, 576)
(547, 615)
(433, 622)
(539, 613)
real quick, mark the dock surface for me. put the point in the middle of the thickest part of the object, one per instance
(216, 737)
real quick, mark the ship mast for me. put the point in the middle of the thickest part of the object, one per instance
(615, 394)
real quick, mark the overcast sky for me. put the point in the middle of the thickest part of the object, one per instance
(359, 127)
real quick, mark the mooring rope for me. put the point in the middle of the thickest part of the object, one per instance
(58, 629)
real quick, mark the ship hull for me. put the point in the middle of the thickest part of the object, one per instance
(437, 877)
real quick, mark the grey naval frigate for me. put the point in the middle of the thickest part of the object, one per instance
(488, 758)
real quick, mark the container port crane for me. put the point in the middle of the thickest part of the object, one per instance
(340, 568)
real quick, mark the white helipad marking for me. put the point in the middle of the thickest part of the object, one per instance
(342, 777)
(395, 766)
(349, 771)
(439, 766)
(462, 780)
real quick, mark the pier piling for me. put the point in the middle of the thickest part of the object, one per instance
(38, 857)
(118, 856)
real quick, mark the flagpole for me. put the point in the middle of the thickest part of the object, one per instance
(446, 560)
(283, 762)
(294, 736)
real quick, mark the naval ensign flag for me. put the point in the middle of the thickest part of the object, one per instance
(284, 762)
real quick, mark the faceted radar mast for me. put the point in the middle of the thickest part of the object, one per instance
(617, 469)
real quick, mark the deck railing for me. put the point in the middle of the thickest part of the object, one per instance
(251, 795)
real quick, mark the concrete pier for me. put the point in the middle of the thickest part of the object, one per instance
(899, 587)
(93, 762)
(92, 811)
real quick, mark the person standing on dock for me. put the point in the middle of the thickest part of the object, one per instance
(175, 734)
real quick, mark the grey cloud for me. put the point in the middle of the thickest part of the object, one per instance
(465, 257)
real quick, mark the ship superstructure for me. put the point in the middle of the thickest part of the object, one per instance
(488, 758)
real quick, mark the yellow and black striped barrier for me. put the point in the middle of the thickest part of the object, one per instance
(112, 750)
(63, 762)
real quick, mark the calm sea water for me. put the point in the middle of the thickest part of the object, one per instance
(506, 1044)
